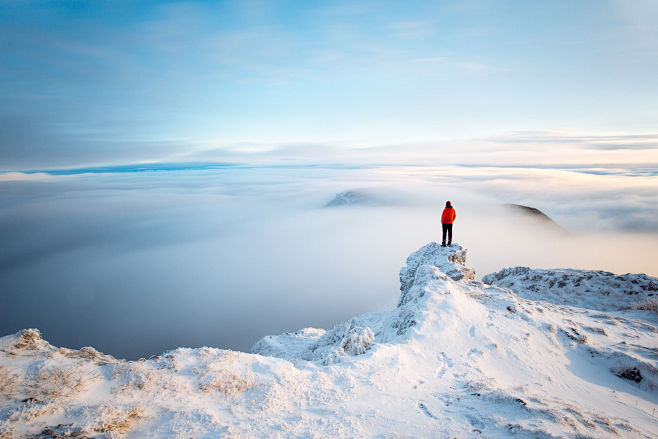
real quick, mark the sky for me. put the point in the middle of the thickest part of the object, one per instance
(114, 82)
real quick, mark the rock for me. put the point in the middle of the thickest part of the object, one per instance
(449, 260)
(353, 198)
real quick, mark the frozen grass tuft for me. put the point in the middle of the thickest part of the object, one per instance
(55, 382)
(648, 304)
(8, 384)
(117, 422)
(28, 339)
(226, 383)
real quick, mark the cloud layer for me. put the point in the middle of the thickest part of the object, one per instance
(222, 256)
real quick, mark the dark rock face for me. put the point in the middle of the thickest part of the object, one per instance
(632, 374)
(530, 211)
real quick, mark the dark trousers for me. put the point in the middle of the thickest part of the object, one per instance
(447, 228)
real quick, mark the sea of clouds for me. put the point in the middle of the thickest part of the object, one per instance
(135, 261)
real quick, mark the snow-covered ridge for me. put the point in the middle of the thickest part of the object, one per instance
(431, 262)
(455, 358)
(585, 288)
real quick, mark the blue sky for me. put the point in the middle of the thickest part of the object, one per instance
(92, 83)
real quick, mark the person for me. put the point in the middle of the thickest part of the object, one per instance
(447, 218)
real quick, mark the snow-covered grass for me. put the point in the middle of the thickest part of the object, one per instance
(648, 304)
(454, 358)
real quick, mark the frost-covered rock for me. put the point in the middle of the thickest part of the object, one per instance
(593, 289)
(450, 260)
(313, 344)
(344, 339)
(289, 344)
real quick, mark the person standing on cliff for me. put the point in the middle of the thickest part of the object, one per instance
(447, 218)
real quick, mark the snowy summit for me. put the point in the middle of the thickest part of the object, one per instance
(530, 353)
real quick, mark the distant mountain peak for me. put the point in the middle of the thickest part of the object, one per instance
(536, 214)
(355, 197)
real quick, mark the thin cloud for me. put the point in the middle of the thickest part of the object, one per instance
(476, 67)
(413, 29)
(28, 144)
(22, 176)
(431, 59)
(557, 137)
(630, 145)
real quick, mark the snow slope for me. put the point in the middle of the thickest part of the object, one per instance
(455, 358)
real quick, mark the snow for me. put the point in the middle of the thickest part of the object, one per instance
(588, 289)
(518, 355)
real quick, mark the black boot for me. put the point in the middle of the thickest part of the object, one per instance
(443, 244)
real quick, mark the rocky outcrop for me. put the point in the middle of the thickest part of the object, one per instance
(450, 260)
(593, 289)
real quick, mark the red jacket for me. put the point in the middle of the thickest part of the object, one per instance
(448, 215)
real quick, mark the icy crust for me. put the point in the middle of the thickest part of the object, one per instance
(587, 289)
(457, 358)
(354, 337)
